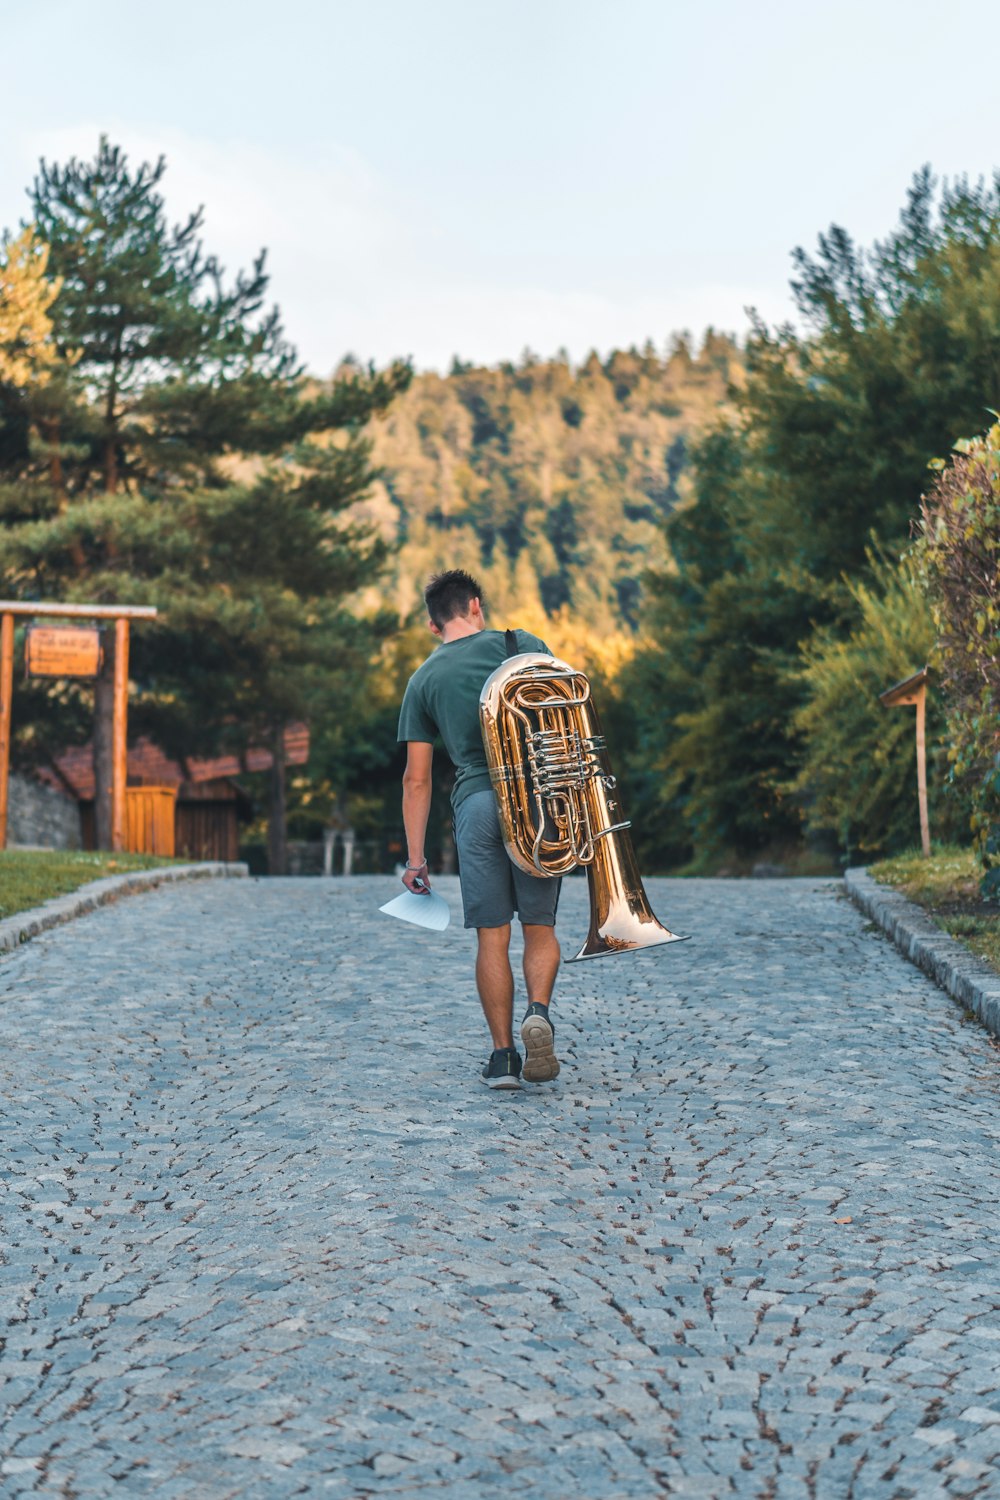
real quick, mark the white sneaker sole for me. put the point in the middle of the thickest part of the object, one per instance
(540, 1061)
(508, 1082)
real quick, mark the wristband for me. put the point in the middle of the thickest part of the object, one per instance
(422, 865)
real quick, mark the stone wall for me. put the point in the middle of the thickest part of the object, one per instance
(38, 814)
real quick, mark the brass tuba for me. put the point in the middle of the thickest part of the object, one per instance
(556, 796)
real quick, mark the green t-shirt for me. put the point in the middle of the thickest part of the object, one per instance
(442, 698)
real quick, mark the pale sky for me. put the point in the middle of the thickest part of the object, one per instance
(440, 177)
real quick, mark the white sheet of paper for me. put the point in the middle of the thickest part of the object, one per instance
(431, 910)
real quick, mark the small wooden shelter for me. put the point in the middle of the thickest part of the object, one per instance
(191, 807)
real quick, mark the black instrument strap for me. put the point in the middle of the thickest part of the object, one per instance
(513, 649)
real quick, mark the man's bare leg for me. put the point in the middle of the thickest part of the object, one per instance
(495, 983)
(541, 964)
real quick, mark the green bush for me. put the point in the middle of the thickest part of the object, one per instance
(958, 554)
(858, 773)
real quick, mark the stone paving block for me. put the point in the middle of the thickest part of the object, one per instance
(254, 1247)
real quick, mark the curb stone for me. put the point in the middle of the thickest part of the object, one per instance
(967, 978)
(23, 925)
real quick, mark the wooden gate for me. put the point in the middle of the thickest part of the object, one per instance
(149, 819)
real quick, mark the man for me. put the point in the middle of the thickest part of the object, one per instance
(442, 699)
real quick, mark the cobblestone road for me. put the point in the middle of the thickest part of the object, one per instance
(265, 1233)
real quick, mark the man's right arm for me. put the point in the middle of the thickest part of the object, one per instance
(416, 808)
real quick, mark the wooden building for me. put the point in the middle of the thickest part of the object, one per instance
(192, 807)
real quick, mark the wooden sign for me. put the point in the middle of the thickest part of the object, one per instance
(62, 662)
(63, 651)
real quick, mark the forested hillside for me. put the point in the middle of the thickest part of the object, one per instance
(551, 482)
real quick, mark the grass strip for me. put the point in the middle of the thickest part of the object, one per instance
(28, 877)
(947, 886)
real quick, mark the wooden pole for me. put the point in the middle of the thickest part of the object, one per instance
(6, 689)
(38, 609)
(277, 833)
(925, 828)
(119, 752)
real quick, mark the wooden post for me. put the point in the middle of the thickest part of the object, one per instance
(104, 745)
(6, 689)
(119, 750)
(925, 830)
(914, 690)
(277, 833)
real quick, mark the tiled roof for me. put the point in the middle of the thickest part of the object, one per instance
(148, 765)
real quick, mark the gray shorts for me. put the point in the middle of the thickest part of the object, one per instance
(493, 887)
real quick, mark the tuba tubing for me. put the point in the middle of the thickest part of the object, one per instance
(557, 797)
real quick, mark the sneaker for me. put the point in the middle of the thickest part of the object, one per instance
(538, 1035)
(503, 1071)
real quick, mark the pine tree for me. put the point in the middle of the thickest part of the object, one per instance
(898, 354)
(191, 466)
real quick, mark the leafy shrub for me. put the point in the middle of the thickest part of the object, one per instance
(858, 773)
(959, 554)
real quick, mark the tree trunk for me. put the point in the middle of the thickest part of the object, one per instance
(58, 479)
(277, 839)
(104, 708)
(111, 424)
(110, 467)
(56, 475)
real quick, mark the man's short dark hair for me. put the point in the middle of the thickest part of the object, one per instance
(450, 594)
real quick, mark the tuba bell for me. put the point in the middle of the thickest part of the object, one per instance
(557, 798)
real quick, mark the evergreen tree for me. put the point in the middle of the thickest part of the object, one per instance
(190, 466)
(900, 354)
